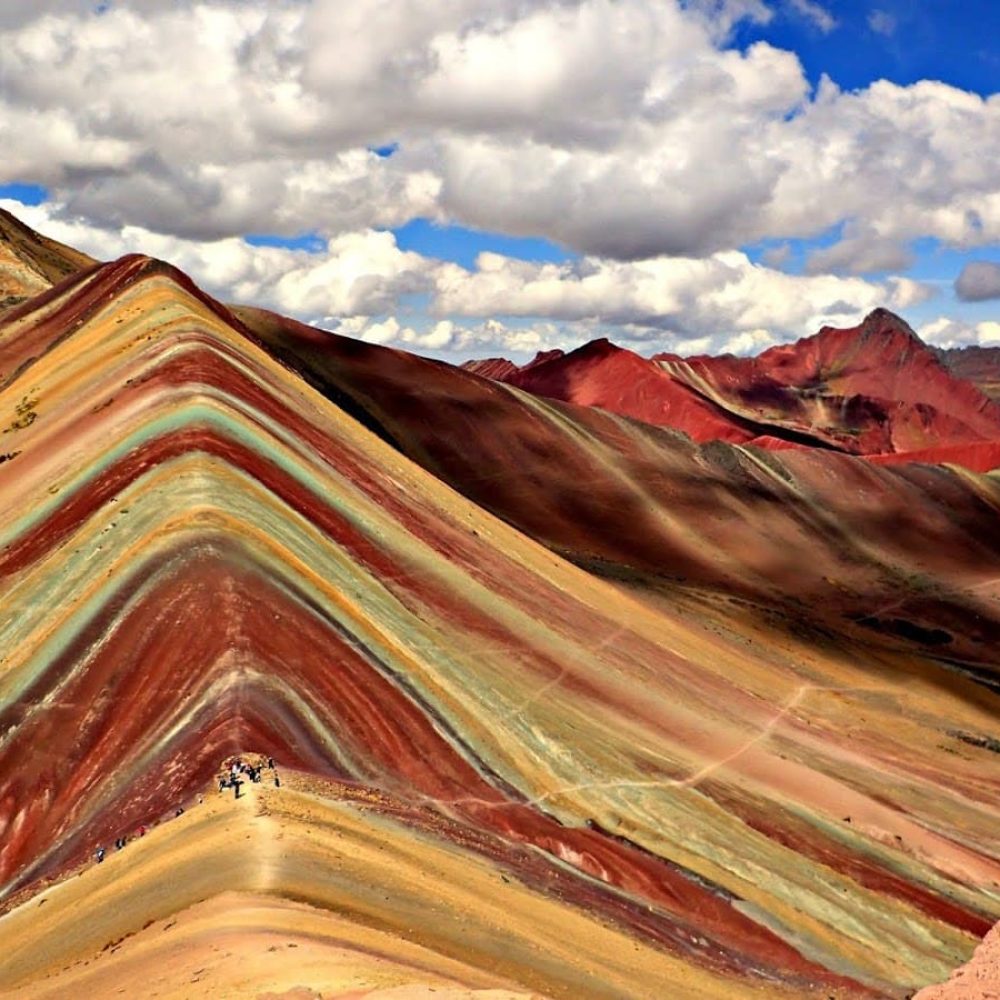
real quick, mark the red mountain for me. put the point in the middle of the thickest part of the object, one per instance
(873, 389)
(500, 369)
(497, 369)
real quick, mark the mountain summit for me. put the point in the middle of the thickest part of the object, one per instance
(874, 389)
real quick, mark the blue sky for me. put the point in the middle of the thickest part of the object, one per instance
(950, 40)
(26, 194)
(638, 156)
(956, 43)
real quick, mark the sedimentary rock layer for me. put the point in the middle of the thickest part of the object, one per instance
(908, 552)
(510, 773)
(31, 263)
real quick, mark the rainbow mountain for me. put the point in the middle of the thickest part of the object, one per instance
(564, 704)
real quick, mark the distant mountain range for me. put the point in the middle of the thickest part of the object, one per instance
(875, 390)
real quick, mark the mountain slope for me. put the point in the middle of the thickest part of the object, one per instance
(876, 383)
(30, 263)
(979, 365)
(810, 533)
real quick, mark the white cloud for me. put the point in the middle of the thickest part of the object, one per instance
(882, 23)
(623, 129)
(721, 16)
(815, 13)
(358, 283)
(860, 253)
(358, 274)
(979, 281)
(896, 162)
(778, 256)
(665, 299)
(946, 332)
(906, 292)
(620, 128)
(449, 339)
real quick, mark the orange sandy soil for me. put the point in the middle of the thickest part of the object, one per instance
(295, 895)
(236, 943)
(979, 979)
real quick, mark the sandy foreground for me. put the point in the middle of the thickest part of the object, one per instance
(284, 894)
(979, 979)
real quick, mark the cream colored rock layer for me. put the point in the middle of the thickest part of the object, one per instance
(376, 906)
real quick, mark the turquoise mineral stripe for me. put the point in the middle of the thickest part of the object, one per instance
(199, 492)
(186, 416)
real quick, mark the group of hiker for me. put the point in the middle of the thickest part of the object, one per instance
(232, 776)
(120, 842)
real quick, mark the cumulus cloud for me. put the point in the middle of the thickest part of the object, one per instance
(979, 280)
(360, 284)
(668, 298)
(860, 252)
(626, 130)
(356, 274)
(778, 256)
(620, 128)
(449, 339)
(947, 332)
(721, 16)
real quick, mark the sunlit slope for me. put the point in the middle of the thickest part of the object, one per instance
(31, 263)
(201, 554)
(378, 904)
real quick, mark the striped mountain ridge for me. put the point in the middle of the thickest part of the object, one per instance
(805, 534)
(221, 533)
(30, 263)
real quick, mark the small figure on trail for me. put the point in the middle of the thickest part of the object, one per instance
(277, 780)
(120, 843)
(236, 787)
(142, 831)
(270, 763)
(180, 811)
(100, 854)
